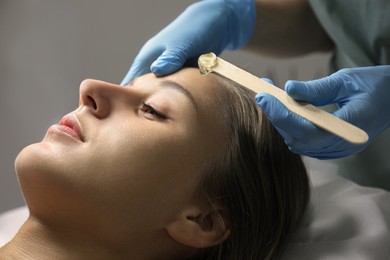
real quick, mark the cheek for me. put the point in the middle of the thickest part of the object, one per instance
(133, 173)
(141, 156)
(143, 153)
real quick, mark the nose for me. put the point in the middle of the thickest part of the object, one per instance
(100, 97)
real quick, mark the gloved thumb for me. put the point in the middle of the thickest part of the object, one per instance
(319, 92)
(168, 62)
(141, 63)
(135, 71)
(277, 113)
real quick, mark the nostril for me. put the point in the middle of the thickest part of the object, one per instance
(92, 101)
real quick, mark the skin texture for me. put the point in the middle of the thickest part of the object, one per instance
(132, 179)
(286, 28)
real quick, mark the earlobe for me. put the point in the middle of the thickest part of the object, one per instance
(198, 229)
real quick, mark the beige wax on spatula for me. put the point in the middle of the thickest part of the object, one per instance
(211, 63)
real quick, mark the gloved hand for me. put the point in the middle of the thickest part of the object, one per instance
(363, 99)
(205, 26)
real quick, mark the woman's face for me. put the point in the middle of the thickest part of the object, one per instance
(137, 155)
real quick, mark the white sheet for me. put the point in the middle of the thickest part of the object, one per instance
(10, 222)
(344, 220)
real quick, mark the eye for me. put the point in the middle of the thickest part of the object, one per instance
(148, 109)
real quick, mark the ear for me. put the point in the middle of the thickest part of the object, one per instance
(199, 228)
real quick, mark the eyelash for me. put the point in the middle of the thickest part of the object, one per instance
(150, 110)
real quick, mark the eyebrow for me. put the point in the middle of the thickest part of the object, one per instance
(176, 86)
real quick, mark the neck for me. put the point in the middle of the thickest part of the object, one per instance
(35, 240)
(38, 241)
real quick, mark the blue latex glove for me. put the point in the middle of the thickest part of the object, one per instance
(363, 99)
(205, 26)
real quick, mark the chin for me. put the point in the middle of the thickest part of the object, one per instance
(29, 166)
(31, 158)
(40, 178)
(37, 167)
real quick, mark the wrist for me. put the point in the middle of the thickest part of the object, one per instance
(242, 22)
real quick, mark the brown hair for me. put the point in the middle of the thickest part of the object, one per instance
(262, 186)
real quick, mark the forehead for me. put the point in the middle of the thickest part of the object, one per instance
(194, 81)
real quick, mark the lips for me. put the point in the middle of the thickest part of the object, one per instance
(69, 126)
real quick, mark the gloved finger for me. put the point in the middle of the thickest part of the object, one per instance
(360, 113)
(321, 92)
(300, 135)
(169, 61)
(324, 154)
(337, 148)
(142, 62)
(353, 110)
(330, 148)
(268, 80)
(291, 126)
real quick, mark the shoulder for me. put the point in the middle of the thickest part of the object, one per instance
(359, 29)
